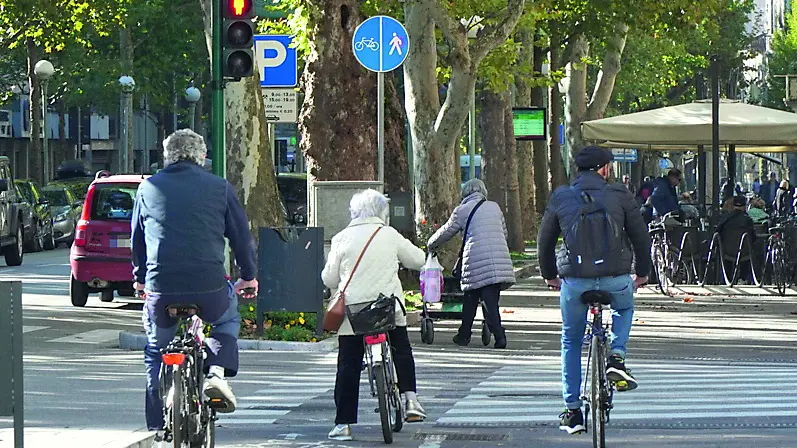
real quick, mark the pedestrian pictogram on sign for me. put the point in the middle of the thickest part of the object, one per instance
(380, 44)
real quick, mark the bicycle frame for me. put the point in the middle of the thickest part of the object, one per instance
(596, 330)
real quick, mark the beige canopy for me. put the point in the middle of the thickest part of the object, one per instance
(690, 125)
(683, 148)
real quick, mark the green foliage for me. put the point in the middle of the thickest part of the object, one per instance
(782, 61)
(413, 300)
(279, 326)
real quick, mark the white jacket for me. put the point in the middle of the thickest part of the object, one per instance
(378, 270)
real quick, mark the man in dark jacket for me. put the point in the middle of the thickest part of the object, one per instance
(730, 227)
(612, 275)
(180, 220)
(664, 197)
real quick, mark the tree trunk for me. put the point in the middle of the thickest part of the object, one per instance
(127, 64)
(35, 148)
(248, 156)
(539, 155)
(527, 171)
(514, 212)
(558, 173)
(576, 96)
(491, 119)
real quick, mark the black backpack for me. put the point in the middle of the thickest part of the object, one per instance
(593, 237)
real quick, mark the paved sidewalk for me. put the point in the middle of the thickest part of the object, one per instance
(78, 438)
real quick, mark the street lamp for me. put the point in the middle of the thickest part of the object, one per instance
(128, 85)
(192, 95)
(44, 71)
(473, 26)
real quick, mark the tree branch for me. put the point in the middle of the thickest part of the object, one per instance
(608, 74)
(5, 43)
(454, 32)
(491, 36)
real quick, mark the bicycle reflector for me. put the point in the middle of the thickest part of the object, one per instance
(173, 359)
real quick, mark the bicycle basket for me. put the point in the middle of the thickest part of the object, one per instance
(374, 317)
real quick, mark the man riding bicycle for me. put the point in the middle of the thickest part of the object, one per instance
(592, 203)
(180, 220)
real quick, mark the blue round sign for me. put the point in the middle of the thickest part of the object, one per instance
(380, 44)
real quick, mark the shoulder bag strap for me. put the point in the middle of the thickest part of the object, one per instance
(360, 258)
(467, 226)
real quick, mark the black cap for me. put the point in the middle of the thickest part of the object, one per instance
(739, 201)
(593, 157)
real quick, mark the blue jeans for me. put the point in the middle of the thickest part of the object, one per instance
(219, 308)
(574, 323)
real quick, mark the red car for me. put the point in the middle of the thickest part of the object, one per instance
(101, 259)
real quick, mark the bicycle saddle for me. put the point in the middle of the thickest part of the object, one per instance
(602, 297)
(182, 309)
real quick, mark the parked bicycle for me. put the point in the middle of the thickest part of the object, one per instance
(597, 390)
(778, 257)
(373, 320)
(668, 255)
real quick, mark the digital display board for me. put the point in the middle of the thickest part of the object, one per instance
(529, 123)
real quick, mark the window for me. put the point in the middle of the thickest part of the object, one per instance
(114, 201)
(56, 198)
(25, 192)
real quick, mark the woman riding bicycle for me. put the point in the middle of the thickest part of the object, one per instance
(376, 274)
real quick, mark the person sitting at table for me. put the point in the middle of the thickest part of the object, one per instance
(687, 205)
(731, 227)
(757, 211)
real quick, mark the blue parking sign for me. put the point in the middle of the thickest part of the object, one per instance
(380, 44)
(277, 61)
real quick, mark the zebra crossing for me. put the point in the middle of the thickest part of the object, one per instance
(687, 392)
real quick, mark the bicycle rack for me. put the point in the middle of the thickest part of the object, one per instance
(716, 242)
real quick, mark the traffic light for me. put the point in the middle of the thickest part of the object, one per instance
(237, 38)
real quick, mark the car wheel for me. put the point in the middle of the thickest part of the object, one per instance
(13, 252)
(78, 292)
(49, 239)
(106, 295)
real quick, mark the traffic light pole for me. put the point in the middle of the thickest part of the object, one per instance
(219, 128)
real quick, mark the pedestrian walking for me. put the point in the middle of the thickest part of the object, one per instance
(486, 268)
(364, 262)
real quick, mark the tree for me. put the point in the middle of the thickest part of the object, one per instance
(248, 156)
(435, 129)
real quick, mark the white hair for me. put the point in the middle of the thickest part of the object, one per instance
(369, 204)
(474, 186)
(184, 144)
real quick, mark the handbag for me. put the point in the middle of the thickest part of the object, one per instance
(336, 311)
(456, 272)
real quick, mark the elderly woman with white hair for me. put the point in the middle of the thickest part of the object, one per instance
(486, 265)
(376, 274)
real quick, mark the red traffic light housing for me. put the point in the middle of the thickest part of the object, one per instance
(237, 38)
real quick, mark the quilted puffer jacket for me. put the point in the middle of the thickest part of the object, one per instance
(486, 258)
(378, 270)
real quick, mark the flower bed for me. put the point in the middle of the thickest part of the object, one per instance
(279, 325)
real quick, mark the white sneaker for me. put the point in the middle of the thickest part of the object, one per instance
(415, 412)
(341, 433)
(219, 394)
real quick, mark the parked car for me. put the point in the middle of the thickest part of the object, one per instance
(100, 258)
(79, 186)
(37, 217)
(293, 189)
(11, 227)
(66, 209)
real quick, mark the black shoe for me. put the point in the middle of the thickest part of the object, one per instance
(572, 421)
(500, 343)
(617, 373)
(461, 341)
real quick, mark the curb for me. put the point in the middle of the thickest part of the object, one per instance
(145, 439)
(525, 271)
(137, 341)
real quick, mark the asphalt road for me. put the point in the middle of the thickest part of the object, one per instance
(715, 371)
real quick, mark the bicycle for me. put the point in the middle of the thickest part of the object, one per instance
(371, 44)
(373, 320)
(777, 250)
(597, 390)
(190, 417)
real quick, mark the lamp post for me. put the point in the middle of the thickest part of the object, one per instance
(44, 71)
(128, 85)
(192, 95)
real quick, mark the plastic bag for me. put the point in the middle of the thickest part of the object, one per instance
(431, 280)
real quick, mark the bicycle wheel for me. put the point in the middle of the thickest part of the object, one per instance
(597, 393)
(660, 262)
(382, 396)
(396, 412)
(209, 441)
(177, 421)
(779, 269)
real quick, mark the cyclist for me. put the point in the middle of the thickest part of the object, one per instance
(611, 273)
(180, 219)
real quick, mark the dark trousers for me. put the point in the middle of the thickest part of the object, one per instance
(351, 351)
(489, 295)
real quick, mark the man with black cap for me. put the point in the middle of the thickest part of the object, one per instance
(590, 259)
(664, 197)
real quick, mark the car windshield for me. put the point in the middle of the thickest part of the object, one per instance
(56, 198)
(292, 189)
(114, 201)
